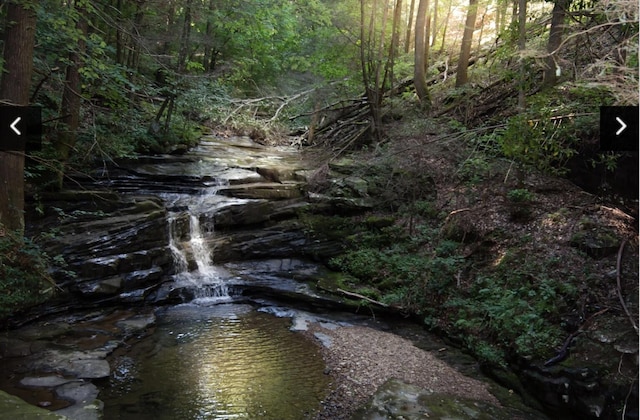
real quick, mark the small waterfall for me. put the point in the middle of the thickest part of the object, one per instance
(205, 278)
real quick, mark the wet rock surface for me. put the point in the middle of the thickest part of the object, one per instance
(396, 399)
(64, 357)
(112, 235)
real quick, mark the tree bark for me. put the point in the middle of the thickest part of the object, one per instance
(434, 23)
(71, 99)
(555, 39)
(207, 60)
(465, 47)
(407, 41)
(419, 74)
(19, 39)
(446, 25)
(395, 40)
(120, 36)
(522, 43)
(183, 54)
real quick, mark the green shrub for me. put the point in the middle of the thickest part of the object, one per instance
(516, 307)
(474, 170)
(520, 195)
(24, 280)
(555, 125)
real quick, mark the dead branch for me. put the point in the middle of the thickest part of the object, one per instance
(359, 296)
(624, 306)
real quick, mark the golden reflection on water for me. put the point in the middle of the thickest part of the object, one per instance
(245, 365)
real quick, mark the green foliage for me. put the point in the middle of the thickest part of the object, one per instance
(24, 280)
(513, 307)
(400, 268)
(532, 143)
(517, 306)
(552, 129)
(520, 195)
(608, 160)
(474, 169)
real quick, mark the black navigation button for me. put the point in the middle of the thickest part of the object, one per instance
(619, 128)
(20, 128)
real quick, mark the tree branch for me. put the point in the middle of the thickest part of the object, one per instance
(624, 306)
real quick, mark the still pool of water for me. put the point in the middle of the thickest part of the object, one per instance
(226, 361)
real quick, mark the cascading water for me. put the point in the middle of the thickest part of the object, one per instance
(205, 278)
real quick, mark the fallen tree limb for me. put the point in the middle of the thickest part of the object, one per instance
(624, 306)
(359, 296)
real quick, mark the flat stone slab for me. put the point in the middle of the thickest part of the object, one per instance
(83, 365)
(90, 411)
(78, 392)
(324, 339)
(137, 323)
(12, 347)
(44, 381)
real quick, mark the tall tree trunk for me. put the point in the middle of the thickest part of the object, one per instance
(419, 77)
(555, 39)
(501, 16)
(71, 99)
(184, 38)
(514, 14)
(19, 39)
(434, 23)
(379, 83)
(446, 26)
(135, 39)
(484, 15)
(120, 36)
(208, 39)
(407, 41)
(395, 43)
(522, 43)
(465, 47)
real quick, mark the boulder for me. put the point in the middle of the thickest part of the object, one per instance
(396, 400)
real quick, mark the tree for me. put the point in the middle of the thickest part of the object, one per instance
(14, 88)
(446, 25)
(555, 39)
(72, 93)
(183, 53)
(465, 47)
(420, 54)
(209, 56)
(407, 43)
(371, 57)
(522, 43)
(434, 23)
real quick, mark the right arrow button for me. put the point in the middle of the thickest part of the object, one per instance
(622, 126)
(619, 128)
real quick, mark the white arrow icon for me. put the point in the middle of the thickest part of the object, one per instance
(622, 126)
(13, 126)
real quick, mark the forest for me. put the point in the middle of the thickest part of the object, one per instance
(474, 125)
(119, 78)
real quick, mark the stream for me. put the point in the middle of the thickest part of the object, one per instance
(192, 282)
(225, 361)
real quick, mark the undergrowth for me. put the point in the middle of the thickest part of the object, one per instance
(514, 307)
(25, 281)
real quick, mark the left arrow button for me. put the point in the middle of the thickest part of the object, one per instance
(20, 129)
(13, 126)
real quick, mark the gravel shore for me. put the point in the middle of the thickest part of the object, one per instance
(359, 359)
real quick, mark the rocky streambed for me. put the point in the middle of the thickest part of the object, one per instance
(162, 251)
